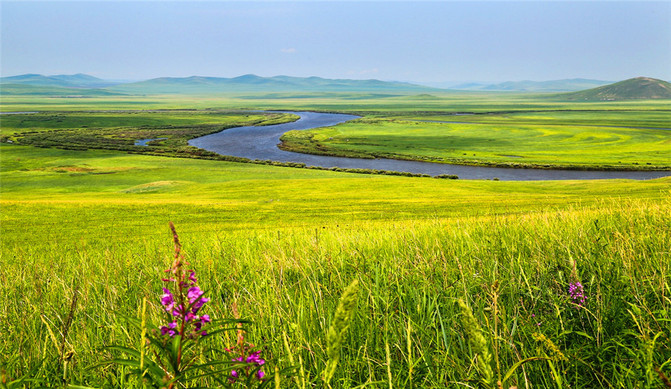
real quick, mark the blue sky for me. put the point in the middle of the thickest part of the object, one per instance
(389, 40)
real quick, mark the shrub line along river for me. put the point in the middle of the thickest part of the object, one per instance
(260, 142)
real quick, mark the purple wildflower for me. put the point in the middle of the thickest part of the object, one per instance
(200, 323)
(199, 304)
(194, 295)
(577, 293)
(169, 329)
(184, 304)
(253, 359)
(167, 299)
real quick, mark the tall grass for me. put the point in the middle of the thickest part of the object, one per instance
(69, 298)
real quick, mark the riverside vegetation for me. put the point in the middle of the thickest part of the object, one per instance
(456, 283)
(574, 139)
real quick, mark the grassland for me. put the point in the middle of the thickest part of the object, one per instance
(506, 130)
(624, 140)
(94, 129)
(279, 245)
(362, 103)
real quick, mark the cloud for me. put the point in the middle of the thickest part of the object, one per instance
(290, 50)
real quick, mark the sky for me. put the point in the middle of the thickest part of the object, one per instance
(432, 41)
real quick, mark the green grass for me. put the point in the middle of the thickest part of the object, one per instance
(283, 243)
(170, 131)
(342, 102)
(582, 140)
(138, 119)
(509, 130)
(280, 245)
(53, 91)
(635, 117)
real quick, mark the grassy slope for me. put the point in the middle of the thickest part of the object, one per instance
(247, 83)
(53, 91)
(263, 196)
(633, 89)
(66, 81)
(282, 243)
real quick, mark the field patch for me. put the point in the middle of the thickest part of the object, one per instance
(156, 186)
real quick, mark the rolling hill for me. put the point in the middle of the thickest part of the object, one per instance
(567, 85)
(639, 88)
(52, 91)
(253, 83)
(64, 81)
(575, 84)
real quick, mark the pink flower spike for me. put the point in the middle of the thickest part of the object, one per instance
(577, 294)
(169, 329)
(167, 299)
(193, 293)
(199, 304)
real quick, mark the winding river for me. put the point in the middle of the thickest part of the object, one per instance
(261, 143)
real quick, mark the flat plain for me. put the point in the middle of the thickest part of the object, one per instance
(85, 239)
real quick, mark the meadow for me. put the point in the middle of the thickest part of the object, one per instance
(573, 139)
(85, 241)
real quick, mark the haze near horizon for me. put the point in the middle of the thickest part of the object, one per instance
(418, 42)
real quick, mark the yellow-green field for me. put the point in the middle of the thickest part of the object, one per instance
(626, 140)
(85, 239)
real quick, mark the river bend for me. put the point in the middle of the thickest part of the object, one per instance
(261, 143)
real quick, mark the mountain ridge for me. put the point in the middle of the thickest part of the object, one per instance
(562, 85)
(252, 82)
(7, 89)
(79, 80)
(638, 88)
(576, 88)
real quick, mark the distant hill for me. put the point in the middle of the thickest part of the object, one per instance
(568, 85)
(468, 86)
(253, 83)
(639, 88)
(52, 91)
(63, 80)
(574, 84)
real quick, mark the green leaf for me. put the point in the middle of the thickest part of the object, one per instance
(217, 363)
(584, 334)
(511, 371)
(123, 349)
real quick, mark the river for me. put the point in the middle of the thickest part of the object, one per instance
(261, 143)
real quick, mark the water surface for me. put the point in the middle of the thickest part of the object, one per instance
(261, 143)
